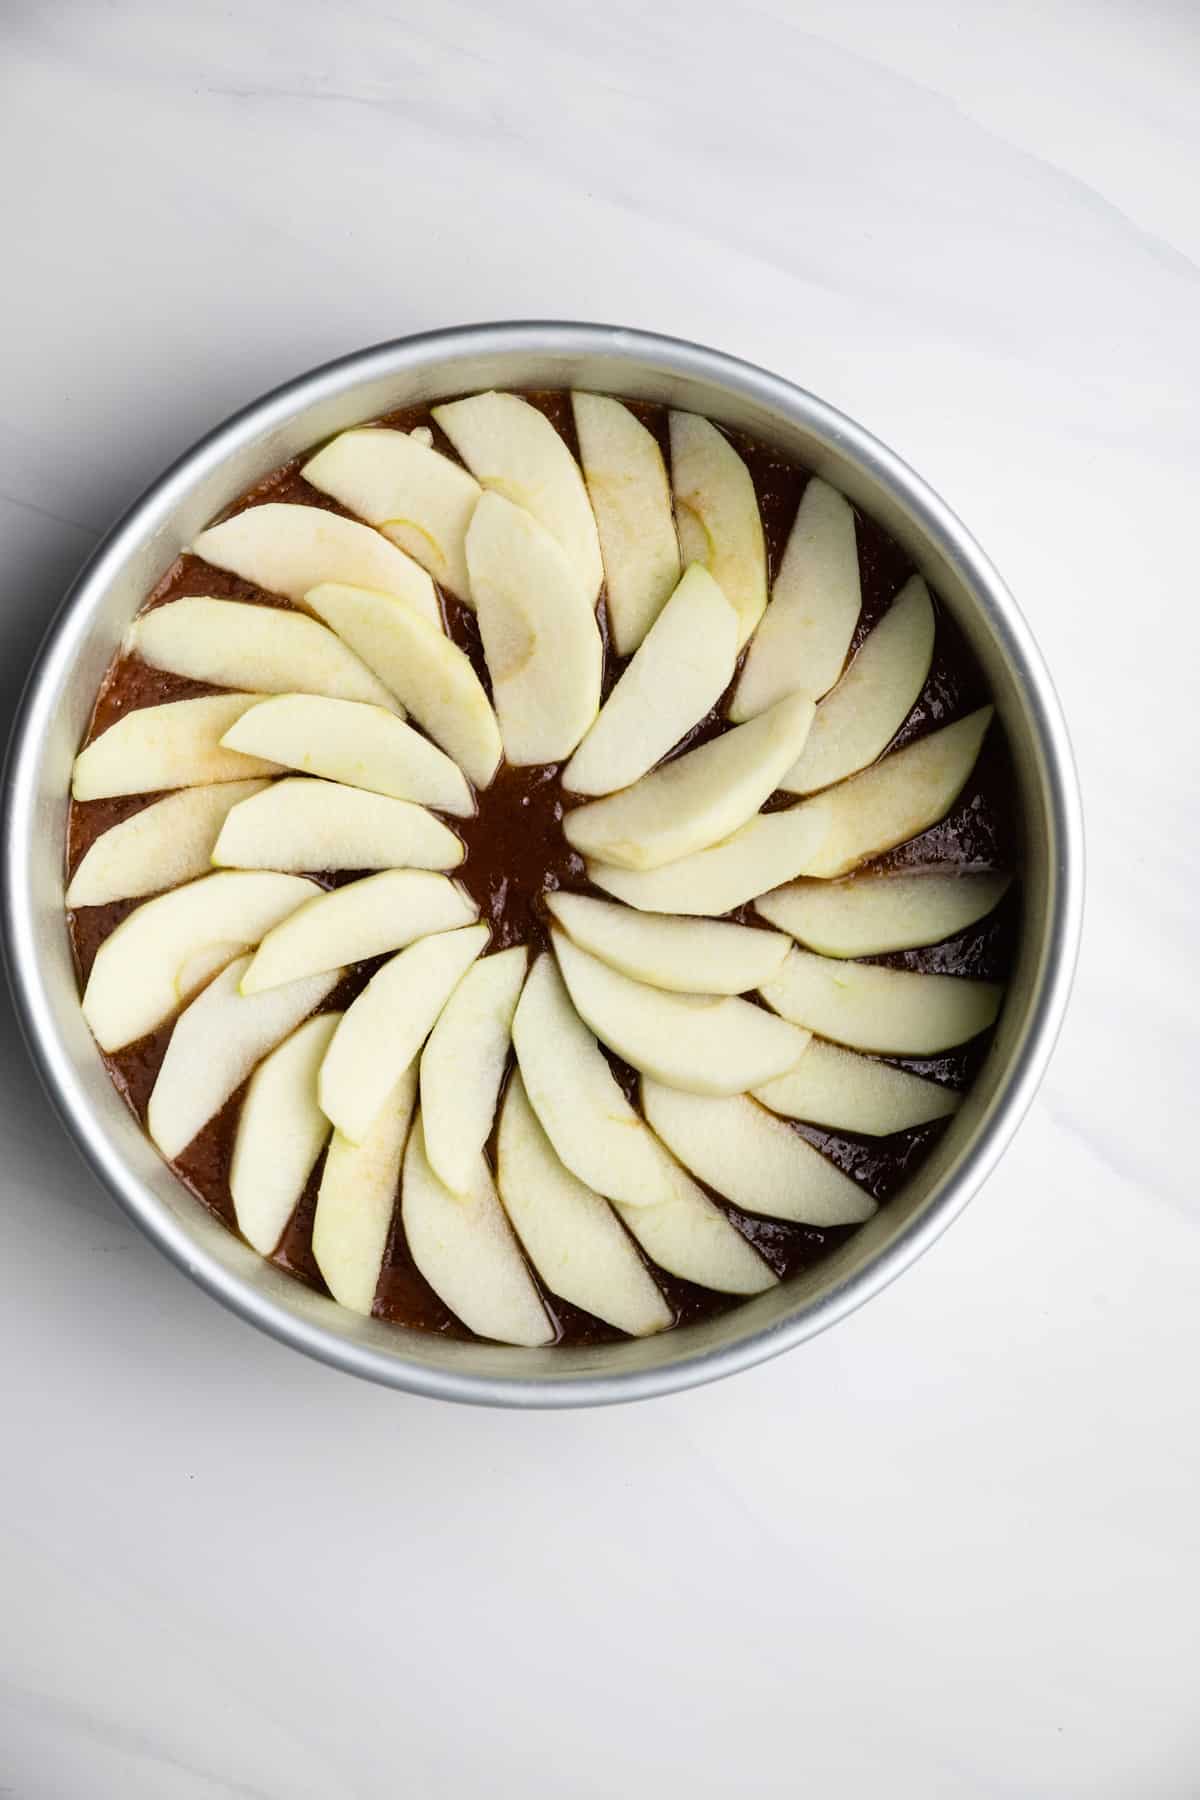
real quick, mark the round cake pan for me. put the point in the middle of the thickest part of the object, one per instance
(55, 711)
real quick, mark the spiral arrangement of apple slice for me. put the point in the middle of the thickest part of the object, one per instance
(349, 734)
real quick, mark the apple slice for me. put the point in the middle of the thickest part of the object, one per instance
(161, 847)
(302, 824)
(363, 919)
(432, 676)
(690, 1237)
(708, 1043)
(384, 1028)
(362, 746)
(631, 498)
(898, 798)
(716, 509)
(464, 1246)
(571, 1236)
(215, 1045)
(845, 1092)
(290, 549)
(745, 1153)
(892, 1011)
(139, 976)
(281, 1132)
(867, 915)
(688, 956)
(684, 665)
(574, 1093)
(696, 800)
(539, 630)
(171, 746)
(514, 450)
(857, 721)
(359, 1186)
(418, 499)
(262, 648)
(770, 849)
(463, 1064)
(802, 642)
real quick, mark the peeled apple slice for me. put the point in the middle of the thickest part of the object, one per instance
(892, 1011)
(463, 1064)
(688, 956)
(868, 915)
(690, 1237)
(280, 1134)
(350, 924)
(171, 746)
(631, 498)
(771, 848)
(845, 1092)
(302, 824)
(716, 510)
(359, 1188)
(164, 845)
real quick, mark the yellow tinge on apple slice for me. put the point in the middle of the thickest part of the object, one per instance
(216, 1043)
(419, 499)
(175, 745)
(302, 824)
(260, 648)
(697, 799)
(687, 956)
(684, 665)
(846, 1092)
(357, 1198)
(360, 745)
(716, 510)
(137, 979)
(463, 1064)
(350, 924)
(802, 642)
(540, 636)
(690, 1237)
(892, 1011)
(868, 915)
(281, 1132)
(514, 450)
(631, 498)
(383, 1029)
(287, 549)
(769, 849)
(859, 718)
(744, 1152)
(464, 1246)
(707, 1043)
(164, 845)
(569, 1233)
(417, 662)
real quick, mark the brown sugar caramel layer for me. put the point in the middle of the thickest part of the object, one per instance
(516, 851)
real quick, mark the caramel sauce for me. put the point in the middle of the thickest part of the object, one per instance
(516, 851)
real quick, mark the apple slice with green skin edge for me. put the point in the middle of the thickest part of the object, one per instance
(690, 1237)
(771, 848)
(893, 1012)
(361, 746)
(302, 824)
(716, 511)
(570, 1234)
(686, 956)
(540, 637)
(383, 1029)
(846, 1092)
(350, 924)
(175, 745)
(281, 1132)
(287, 549)
(464, 1246)
(744, 1152)
(167, 843)
(217, 1041)
(415, 659)
(869, 915)
(697, 799)
(707, 1043)
(260, 649)
(631, 498)
(139, 976)
(858, 719)
(513, 450)
(684, 665)
(419, 499)
(574, 1093)
(360, 1184)
(463, 1064)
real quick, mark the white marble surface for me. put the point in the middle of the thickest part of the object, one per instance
(952, 1547)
